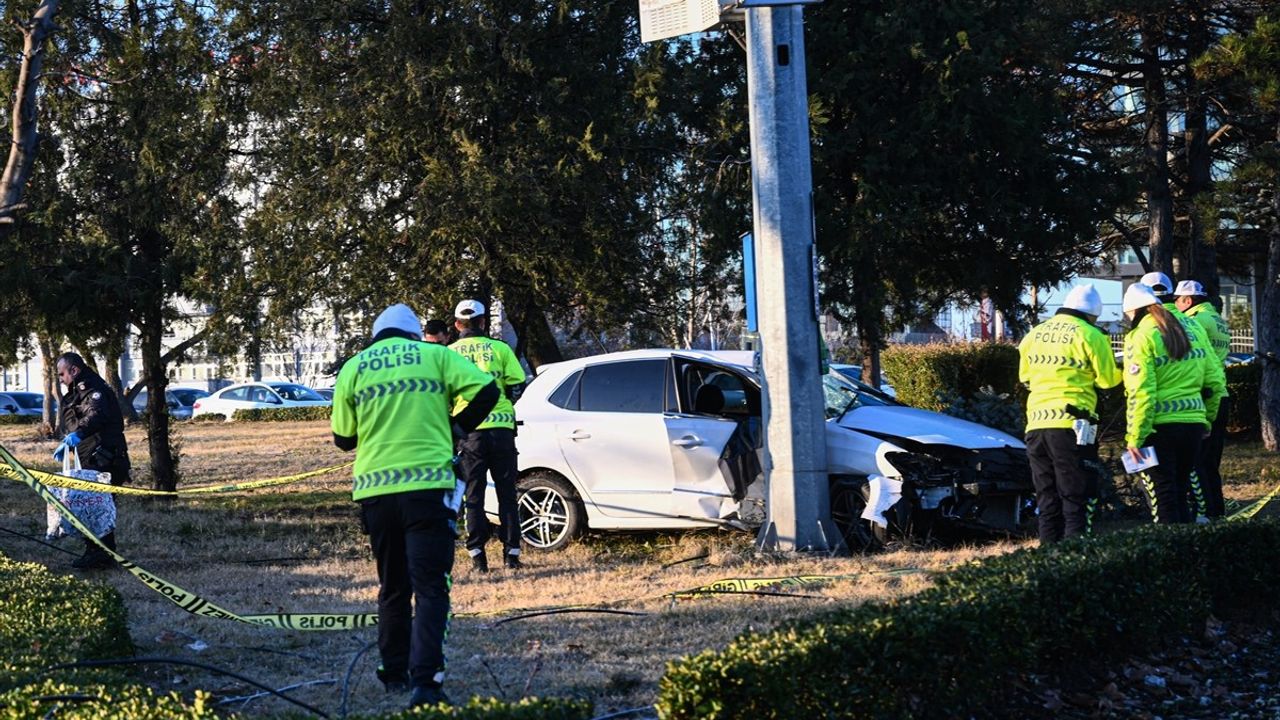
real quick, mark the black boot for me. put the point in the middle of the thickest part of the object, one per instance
(394, 682)
(428, 695)
(94, 557)
(512, 561)
(480, 563)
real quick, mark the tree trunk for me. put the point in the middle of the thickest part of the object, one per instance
(52, 390)
(1203, 255)
(536, 340)
(1268, 340)
(1156, 156)
(163, 471)
(25, 135)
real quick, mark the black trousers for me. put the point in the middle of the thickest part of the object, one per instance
(412, 536)
(483, 453)
(1168, 484)
(1066, 489)
(1206, 483)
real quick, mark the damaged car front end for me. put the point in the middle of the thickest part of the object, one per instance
(933, 471)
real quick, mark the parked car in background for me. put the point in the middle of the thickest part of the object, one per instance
(257, 396)
(326, 393)
(181, 401)
(14, 402)
(670, 439)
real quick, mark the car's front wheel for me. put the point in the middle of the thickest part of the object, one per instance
(551, 515)
(849, 498)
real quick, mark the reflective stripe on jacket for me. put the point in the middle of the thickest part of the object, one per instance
(498, 360)
(1162, 390)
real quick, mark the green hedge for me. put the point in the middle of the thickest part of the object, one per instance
(19, 419)
(952, 649)
(491, 709)
(924, 376)
(46, 619)
(1243, 384)
(101, 702)
(319, 412)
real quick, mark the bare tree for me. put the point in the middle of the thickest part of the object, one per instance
(22, 146)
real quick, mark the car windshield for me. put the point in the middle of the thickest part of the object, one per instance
(28, 401)
(296, 392)
(841, 395)
(188, 396)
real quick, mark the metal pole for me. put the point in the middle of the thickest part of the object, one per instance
(799, 514)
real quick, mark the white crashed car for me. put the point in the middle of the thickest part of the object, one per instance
(670, 439)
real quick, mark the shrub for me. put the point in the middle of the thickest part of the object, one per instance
(492, 709)
(46, 619)
(19, 419)
(1244, 382)
(319, 412)
(100, 702)
(973, 381)
(952, 649)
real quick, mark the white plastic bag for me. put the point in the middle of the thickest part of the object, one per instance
(96, 511)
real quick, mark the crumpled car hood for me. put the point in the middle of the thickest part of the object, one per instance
(925, 426)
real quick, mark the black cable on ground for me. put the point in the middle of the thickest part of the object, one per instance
(703, 556)
(346, 681)
(37, 540)
(624, 713)
(563, 611)
(189, 663)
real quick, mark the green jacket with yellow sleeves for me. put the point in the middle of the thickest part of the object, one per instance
(1160, 389)
(1062, 360)
(495, 358)
(394, 397)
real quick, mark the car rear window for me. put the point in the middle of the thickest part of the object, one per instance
(637, 386)
(566, 396)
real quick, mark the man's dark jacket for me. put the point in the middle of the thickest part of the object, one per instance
(91, 410)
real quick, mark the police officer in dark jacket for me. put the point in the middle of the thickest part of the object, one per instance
(94, 425)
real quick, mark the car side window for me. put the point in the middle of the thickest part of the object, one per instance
(566, 396)
(636, 386)
(741, 398)
(237, 394)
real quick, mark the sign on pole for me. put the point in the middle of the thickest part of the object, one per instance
(661, 19)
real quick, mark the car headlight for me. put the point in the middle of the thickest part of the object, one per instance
(923, 470)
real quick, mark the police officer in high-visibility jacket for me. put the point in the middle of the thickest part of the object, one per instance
(1193, 301)
(1062, 361)
(491, 449)
(1202, 345)
(391, 405)
(1172, 396)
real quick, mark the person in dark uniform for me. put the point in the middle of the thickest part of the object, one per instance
(94, 424)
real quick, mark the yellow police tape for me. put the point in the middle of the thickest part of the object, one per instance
(1254, 508)
(746, 585)
(186, 599)
(62, 481)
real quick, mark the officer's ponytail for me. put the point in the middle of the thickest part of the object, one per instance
(1175, 337)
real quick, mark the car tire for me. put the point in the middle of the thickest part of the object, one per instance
(849, 497)
(551, 514)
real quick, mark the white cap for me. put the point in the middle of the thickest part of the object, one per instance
(1190, 287)
(1139, 296)
(1157, 281)
(1085, 299)
(400, 317)
(468, 309)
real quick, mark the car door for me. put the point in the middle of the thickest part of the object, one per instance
(614, 440)
(703, 485)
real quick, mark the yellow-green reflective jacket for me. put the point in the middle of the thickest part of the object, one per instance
(1062, 360)
(495, 358)
(1214, 326)
(394, 398)
(1162, 390)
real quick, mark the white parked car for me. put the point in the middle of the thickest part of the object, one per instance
(669, 439)
(257, 396)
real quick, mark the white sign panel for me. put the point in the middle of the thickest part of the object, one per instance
(661, 19)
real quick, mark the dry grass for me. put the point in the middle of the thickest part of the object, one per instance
(317, 561)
